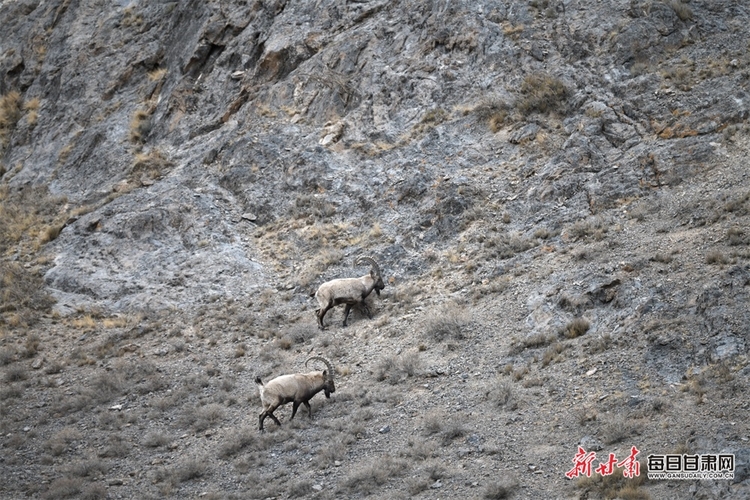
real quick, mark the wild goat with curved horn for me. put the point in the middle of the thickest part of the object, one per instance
(297, 389)
(349, 291)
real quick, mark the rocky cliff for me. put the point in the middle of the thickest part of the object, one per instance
(556, 191)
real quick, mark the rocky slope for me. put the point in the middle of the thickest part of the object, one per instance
(556, 191)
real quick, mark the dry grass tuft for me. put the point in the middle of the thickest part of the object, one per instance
(150, 166)
(500, 490)
(396, 369)
(10, 113)
(616, 485)
(683, 11)
(140, 126)
(576, 328)
(543, 93)
(367, 479)
(446, 322)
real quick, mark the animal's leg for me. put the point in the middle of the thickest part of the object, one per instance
(321, 315)
(346, 312)
(309, 408)
(295, 405)
(267, 413)
(367, 309)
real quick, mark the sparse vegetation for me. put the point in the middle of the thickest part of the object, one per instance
(616, 485)
(502, 394)
(543, 93)
(10, 113)
(681, 8)
(395, 369)
(565, 246)
(150, 166)
(576, 328)
(501, 490)
(140, 125)
(446, 322)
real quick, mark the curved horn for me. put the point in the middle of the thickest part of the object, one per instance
(372, 262)
(324, 360)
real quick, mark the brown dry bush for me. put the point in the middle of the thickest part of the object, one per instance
(22, 293)
(140, 125)
(300, 488)
(156, 439)
(543, 93)
(117, 446)
(8, 355)
(492, 111)
(244, 439)
(618, 430)
(616, 485)
(552, 353)
(716, 257)
(500, 490)
(150, 166)
(373, 475)
(203, 417)
(447, 322)
(396, 369)
(451, 432)
(10, 113)
(502, 394)
(576, 328)
(681, 9)
(16, 373)
(64, 487)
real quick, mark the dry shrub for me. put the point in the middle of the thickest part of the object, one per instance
(616, 485)
(150, 166)
(716, 257)
(140, 125)
(367, 478)
(64, 487)
(618, 430)
(494, 112)
(500, 490)
(27, 211)
(452, 431)
(22, 293)
(245, 438)
(10, 113)
(446, 322)
(156, 439)
(552, 353)
(682, 10)
(543, 94)
(576, 328)
(502, 394)
(395, 369)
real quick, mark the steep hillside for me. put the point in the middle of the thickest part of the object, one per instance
(556, 191)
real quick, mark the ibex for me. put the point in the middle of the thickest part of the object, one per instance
(349, 291)
(296, 388)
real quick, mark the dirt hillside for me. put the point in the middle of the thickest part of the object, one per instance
(556, 193)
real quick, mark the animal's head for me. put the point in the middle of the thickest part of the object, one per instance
(329, 387)
(375, 273)
(379, 284)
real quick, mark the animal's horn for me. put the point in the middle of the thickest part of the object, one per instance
(324, 360)
(372, 262)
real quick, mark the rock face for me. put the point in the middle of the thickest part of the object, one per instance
(239, 100)
(577, 158)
